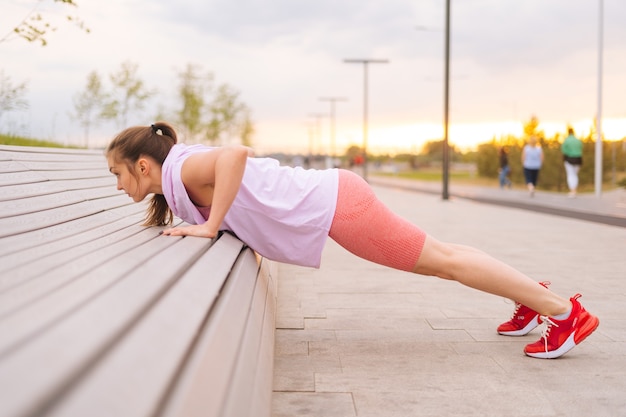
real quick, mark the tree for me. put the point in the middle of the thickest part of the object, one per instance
(129, 93)
(434, 151)
(531, 128)
(89, 105)
(11, 95)
(211, 115)
(247, 128)
(34, 27)
(229, 116)
(193, 88)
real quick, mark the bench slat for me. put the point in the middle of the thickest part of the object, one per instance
(12, 166)
(44, 202)
(261, 402)
(20, 262)
(205, 382)
(21, 224)
(36, 153)
(78, 174)
(79, 165)
(34, 238)
(43, 187)
(22, 177)
(40, 203)
(254, 368)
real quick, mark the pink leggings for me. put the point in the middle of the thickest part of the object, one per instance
(366, 227)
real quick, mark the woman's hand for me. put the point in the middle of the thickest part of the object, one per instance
(199, 230)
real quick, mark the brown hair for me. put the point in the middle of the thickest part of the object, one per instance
(153, 141)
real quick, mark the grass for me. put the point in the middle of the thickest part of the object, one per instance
(19, 141)
(467, 178)
(434, 175)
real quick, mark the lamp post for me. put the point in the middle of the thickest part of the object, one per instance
(598, 158)
(318, 117)
(446, 95)
(365, 63)
(332, 101)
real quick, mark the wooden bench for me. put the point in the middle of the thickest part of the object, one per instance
(101, 316)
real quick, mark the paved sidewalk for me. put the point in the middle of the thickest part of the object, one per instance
(608, 208)
(357, 339)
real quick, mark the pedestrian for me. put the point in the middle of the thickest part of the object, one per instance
(532, 159)
(505, 169)
(286, 214)
(572, 149)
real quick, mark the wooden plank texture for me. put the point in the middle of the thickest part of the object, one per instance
(206, 382)
(102, 316)
(156, 347)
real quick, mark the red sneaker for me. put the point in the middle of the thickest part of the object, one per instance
(560, 336)
(523, 321)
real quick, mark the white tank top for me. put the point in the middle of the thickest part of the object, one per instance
(281, 212)
(532, 157)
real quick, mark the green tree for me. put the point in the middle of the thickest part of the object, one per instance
(247, 128)
(36, 25)
(128, 94)
(89, 104)
(194, 86)
(229, 117)
(11, 95)
(433, 150)
(212, 115)
(488, 160)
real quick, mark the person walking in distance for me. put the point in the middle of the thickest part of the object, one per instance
(505, 168)
(572, 149)
(532, 159)
(286, 215)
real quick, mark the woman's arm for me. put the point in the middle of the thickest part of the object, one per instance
(212, 179)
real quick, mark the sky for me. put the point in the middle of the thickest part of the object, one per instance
(509, 60)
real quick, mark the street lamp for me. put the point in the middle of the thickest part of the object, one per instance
(598, 159)
(332, 100)
(365, 63)
(318, 117)
(446, 94)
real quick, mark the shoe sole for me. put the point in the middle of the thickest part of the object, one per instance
(589, 324)
(523, 332)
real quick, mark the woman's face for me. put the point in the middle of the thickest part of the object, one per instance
(132, 184)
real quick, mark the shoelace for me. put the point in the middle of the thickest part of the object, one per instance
(546, 330)
(517, 307)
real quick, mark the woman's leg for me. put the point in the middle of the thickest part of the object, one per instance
(530, 180)
(366, 227)
(571, 171)
(478, 270)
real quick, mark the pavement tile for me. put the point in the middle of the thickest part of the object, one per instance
(292, 404)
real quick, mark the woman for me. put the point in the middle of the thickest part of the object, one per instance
(532, 159)
(286, 215)
(572, 149)
(505, 169)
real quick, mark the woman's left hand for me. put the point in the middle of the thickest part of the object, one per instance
(200, 230)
